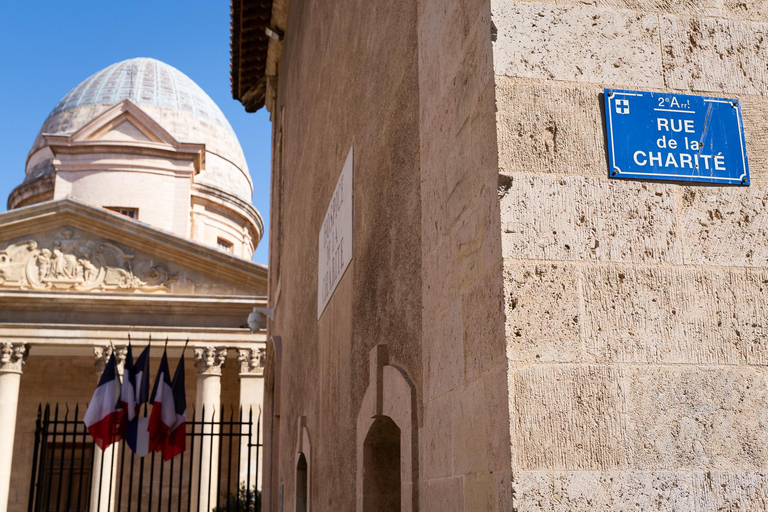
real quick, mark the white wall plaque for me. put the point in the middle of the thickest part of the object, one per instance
(335, 239)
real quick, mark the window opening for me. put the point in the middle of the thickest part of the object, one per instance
(123, 210)
(224, 245)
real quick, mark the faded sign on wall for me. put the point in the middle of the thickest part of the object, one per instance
(335, 238)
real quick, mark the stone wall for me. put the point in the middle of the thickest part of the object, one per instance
(635, 315)
(465, 440)
(348, 78)
(412, 88)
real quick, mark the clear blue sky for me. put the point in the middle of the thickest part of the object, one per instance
(48, 47)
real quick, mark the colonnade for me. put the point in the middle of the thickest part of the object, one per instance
(209, 362)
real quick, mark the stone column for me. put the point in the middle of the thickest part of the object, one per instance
(209, 362)
(252, 399)
(12, 358)
(102, 480)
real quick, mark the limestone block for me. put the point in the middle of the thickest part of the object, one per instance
(471, 430)
(434, 436)
(496, 390)
(532, 491)
(483, 323)
(575, 218)
(576, 43)
(697, 417)
(552, 128)
(733, 9)
(591, 490)
(437, 280)
(459, 184)
(704, 54)
(542, 306)
(675, 315)
(718, 490)
(468, 237)
(442, 495)
(443, 351)
(754, 110)
(480, 438)
(456, 62)
(566, 417)
(480, 493)
(725, 226)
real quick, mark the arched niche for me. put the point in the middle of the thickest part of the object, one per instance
(387, 440)
(303, 474)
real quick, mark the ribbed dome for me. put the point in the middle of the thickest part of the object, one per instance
(146, 81)
(172, 99)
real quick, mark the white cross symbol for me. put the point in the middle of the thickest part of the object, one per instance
(622, 106)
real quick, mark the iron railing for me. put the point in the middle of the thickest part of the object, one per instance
(65, 477)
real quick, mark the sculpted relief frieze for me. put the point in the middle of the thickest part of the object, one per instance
(70, 262)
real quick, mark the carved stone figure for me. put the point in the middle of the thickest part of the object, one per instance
(89, 269)
(72, 263)
(64, 265)
(43, 264)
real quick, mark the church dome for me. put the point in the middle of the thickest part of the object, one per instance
(141, 138)
(172, 99)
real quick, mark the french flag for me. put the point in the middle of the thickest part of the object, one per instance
(176, 440)
(135, 393)
(103, 415)
(163, 416)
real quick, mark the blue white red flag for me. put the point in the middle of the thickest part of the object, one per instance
(103, 415)
(127, 394)
(135, 393)
(176, 440)
(163, 415)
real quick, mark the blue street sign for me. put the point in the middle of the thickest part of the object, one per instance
(675, 137)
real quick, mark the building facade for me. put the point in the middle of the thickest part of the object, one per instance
(134, 219)
(516, 330)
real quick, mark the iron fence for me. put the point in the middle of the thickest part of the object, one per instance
(217, 472)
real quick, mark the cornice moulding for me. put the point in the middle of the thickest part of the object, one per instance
(142, 237)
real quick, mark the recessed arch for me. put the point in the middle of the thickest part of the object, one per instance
(387, 440)
(381, 467)
(303, 474)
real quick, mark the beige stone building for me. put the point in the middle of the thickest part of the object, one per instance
(134, 218)
(513, 329)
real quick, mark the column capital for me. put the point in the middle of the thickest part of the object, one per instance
(101, 356)
(210, 360)
(252, 361)
(13, 356)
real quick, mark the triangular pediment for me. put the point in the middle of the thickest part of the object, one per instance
(124, 129)
(132, 118)
(70, 246)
